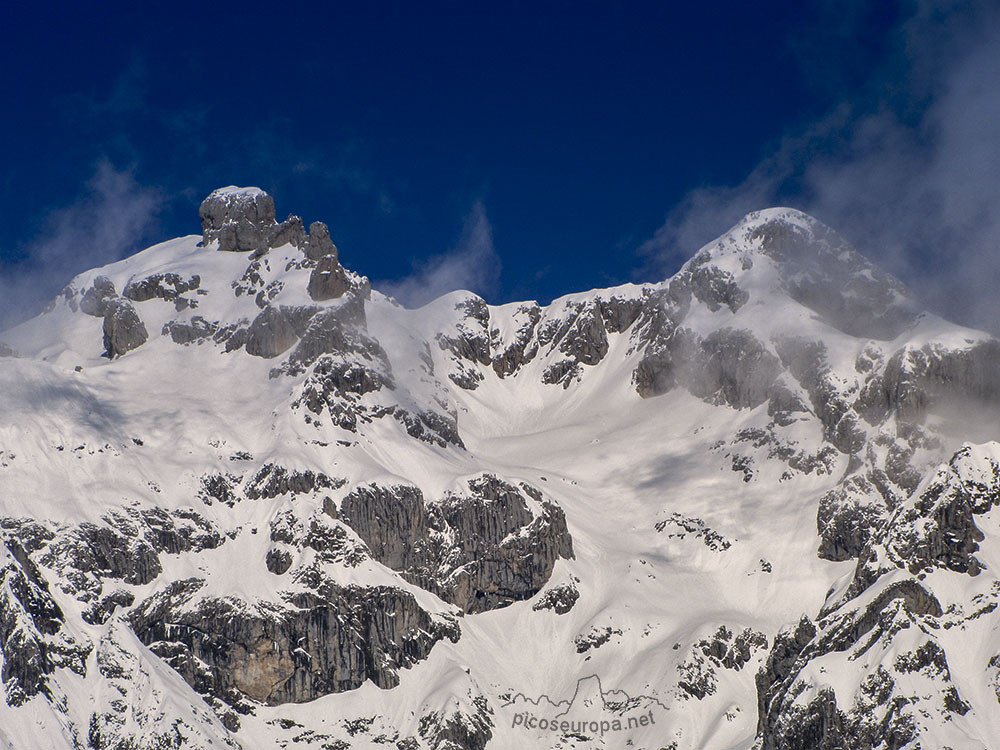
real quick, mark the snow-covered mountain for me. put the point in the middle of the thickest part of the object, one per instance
(248, 501)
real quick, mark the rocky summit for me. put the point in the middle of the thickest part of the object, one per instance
(247, 501)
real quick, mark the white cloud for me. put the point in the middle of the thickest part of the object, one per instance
(913, 179)
(472, 265)
(114, 215)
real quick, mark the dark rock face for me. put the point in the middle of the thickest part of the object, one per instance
(392, 521)
(324, 642)
(125, 546)
(729, 366)
(328, 279)
(713, 286)
(847, 518)
(586, 341)
(736, 369)
(319, 244)
(620, 313)
(470, 343)
(123, 328)
(271, 333)
(95, 300)
(933, 530)
(480, 551)
(32, 644)
(165, 286)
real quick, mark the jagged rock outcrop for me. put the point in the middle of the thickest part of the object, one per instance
(271, 333)
(123, 328)
(33, 643)
(469, 729)
(243, 220)
(317, 643)
(823, 272)
(916, 380)
(885, 607)
(328, 279)
(272, 480)
(239, 219)
(125, 546)
(523, 347)
(560, 599)
(319, 245)
(481, 550)
(165, 286)
(96, 298)
(197, 329)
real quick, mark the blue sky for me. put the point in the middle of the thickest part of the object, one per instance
(524, 150)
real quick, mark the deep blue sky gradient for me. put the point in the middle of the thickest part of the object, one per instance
(576, 125)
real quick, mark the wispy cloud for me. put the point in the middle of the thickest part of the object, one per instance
(472, 265)
(908, 173)
(113, 216)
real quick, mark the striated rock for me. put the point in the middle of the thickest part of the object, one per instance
(480, 551)
(392, 521)
(95, 300)
(319, 643)
(123, 328)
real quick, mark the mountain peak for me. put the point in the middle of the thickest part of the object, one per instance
(817, 268)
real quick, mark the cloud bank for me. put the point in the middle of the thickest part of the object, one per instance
(113, 217)
(909, 172)
(473, 265)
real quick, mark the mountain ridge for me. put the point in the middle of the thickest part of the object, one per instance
(303, 510)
